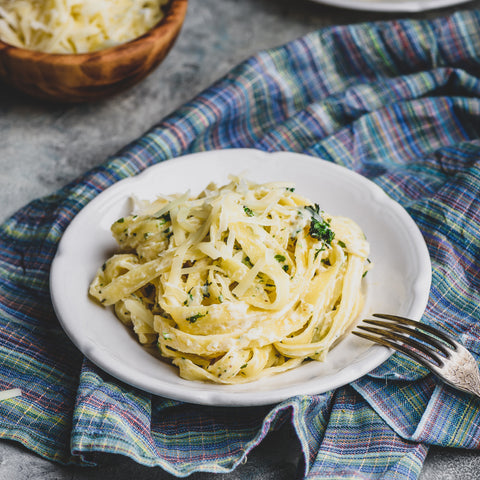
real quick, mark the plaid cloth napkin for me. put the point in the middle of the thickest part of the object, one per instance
(398, 102)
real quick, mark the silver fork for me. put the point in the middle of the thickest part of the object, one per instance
(437, 351)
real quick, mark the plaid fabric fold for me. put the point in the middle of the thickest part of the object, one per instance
(398, 102)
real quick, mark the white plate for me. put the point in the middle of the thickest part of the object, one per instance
(399, 282)
(392, 5)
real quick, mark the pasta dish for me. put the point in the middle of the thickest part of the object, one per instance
(239, 282)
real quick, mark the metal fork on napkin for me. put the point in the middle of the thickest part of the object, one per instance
(430, 347)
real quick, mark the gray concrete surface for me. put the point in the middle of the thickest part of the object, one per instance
(43, 146)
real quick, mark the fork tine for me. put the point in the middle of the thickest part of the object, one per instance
(422, 326)
(413, 332)
(407, 344)
(396, 346)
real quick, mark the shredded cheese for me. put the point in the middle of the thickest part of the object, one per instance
(76, 26)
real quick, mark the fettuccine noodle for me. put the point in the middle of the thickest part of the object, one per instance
(237, 283)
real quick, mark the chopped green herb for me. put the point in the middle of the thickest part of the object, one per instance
(280, 258)
(195, 317)
(317, 251)
(285, 268)
(326, 261)
(165, 217)
(248, 211)
(313, 209)
(342, 244)
(189, 299)
(120, 220)
(244, 365)
(319, 228)
(290, 189)
(247, 262)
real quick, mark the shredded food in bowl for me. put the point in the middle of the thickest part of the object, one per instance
(76, 26)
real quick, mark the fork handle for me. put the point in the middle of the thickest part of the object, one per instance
(463, 374)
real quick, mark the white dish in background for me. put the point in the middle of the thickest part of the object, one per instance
(392, 5)
(399, 282)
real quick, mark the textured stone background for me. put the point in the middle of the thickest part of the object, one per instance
(43, 146)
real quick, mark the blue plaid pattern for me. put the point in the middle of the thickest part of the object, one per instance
(398, 102)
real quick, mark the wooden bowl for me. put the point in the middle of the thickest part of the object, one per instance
(91, 76)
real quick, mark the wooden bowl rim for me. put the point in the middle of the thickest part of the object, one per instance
(169, 24)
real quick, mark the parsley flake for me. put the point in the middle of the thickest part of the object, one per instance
(195, 317)
(319, 228)
(248, 211)
(246, 261)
